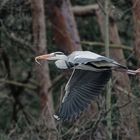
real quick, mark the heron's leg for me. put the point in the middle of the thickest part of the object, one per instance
(128, 71)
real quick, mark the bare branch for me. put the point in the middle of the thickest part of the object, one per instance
(85, 10)
(19, 40)
(15, 83)
(116, 46)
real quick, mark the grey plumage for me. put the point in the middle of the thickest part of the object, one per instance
(90, 74)
(79, 58)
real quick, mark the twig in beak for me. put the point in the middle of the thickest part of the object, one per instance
(36, 60)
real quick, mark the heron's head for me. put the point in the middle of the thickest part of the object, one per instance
(52, 56)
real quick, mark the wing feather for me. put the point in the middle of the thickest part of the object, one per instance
(82, 88)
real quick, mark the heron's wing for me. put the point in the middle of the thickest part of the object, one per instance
(83, 87)
(100, 61)
(87, 56)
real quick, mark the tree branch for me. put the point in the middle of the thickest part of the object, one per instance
(12, 36)
(116, 46)
(85, 10)
(16, 83)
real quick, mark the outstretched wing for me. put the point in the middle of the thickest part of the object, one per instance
(82, 88)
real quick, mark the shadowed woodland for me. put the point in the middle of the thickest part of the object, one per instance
(30, 93)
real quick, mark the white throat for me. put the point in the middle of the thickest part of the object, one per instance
(61, 64)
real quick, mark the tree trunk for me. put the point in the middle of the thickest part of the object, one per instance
(136, 15)
(128, 126)
(65, 30)
(42, 72)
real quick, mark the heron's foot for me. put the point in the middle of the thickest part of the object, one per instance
(138, 71)
(133, 72)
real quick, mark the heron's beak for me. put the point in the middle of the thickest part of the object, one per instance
(43, 57)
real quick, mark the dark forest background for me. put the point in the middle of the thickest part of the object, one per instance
(31, 93)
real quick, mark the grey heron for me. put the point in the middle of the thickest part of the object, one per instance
(91, 73)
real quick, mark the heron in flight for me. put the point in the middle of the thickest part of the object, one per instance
(91, 73)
